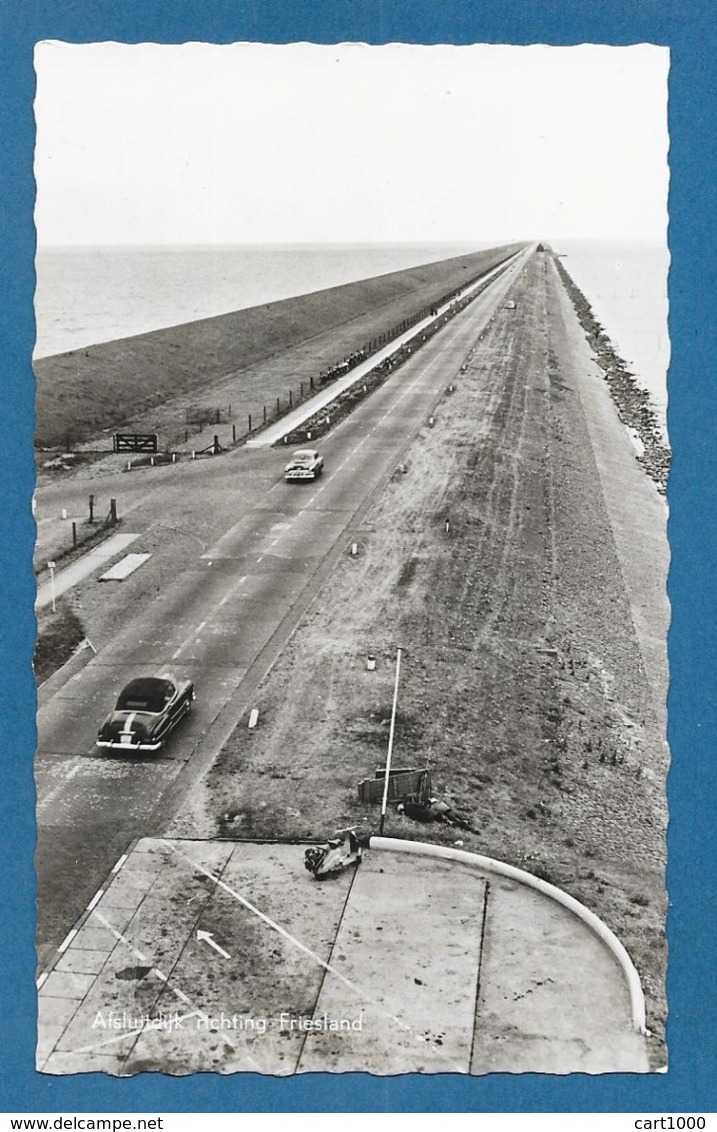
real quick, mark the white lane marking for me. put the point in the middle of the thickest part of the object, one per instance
(192, 637)
(95, 899)
(41, 979)
(67, 941)
(231, 593)
(120, 863)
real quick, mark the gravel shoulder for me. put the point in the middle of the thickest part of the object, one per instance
(526, 686)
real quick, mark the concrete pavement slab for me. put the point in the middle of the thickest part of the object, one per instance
(235, 959)
(553, 999)
(82, 962)
(82, 568)
(412, 939)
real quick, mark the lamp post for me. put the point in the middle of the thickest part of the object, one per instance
(390, 743)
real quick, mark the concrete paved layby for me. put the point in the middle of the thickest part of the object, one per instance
(404, 964)
(71, 575)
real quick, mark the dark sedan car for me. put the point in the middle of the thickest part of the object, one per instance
(146, 711)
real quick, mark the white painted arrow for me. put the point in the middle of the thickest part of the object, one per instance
(209, 938)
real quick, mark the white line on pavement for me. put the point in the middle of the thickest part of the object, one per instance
(67, 941)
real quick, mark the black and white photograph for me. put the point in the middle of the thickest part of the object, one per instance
(351, 559)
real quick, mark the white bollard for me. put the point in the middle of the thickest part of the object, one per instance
(253, 718)
(354, 548)
(64, 513)
(370, 662)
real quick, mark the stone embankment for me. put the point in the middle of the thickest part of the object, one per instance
(632, 401)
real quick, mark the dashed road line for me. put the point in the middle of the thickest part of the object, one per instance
(95, 899)
(67, 941)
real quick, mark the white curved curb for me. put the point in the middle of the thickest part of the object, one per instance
(422, 848)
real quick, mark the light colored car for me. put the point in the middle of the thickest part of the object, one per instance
(306, 464)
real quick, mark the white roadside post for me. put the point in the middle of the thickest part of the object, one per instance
(390, 743)
(51, 568)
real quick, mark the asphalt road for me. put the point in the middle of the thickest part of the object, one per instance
(221, 622)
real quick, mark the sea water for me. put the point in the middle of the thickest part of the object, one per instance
(90, 295)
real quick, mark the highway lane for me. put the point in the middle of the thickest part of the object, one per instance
(221, 622)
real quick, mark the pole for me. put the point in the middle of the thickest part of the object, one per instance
(390, 743)
(51, 567)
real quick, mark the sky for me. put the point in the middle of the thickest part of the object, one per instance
(303, 143)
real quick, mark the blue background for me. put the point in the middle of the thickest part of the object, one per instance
(688, 28)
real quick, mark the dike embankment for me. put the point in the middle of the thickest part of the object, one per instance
(131, 381)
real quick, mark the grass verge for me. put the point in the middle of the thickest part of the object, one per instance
(58, 635)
